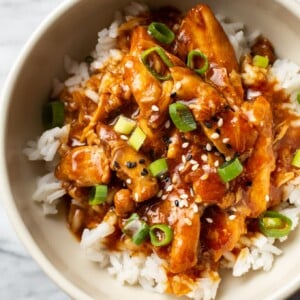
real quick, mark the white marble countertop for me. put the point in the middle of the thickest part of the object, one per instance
(21, 277)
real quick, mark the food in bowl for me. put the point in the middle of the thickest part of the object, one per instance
(174, 147)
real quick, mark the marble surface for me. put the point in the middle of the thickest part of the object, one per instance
(20, 277)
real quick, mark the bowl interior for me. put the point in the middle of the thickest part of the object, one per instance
(72, 30)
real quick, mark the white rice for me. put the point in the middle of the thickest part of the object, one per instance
(254, 252)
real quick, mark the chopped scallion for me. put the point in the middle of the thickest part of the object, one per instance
(230, 170)
(182, 117)
(159, 167)
(161, 53)
(124, 125)
(161, 32)
(260, 61)
(273, 224)
(160, 235)
(296, 159)
(136, 228)
(98, 194)
(137, 138)
(298, 98)
(53, 114)
(196, 54)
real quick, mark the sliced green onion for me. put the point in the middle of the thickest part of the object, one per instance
(161, 53)
(161, 32)
(136, 228)
(296, 159)
(53, 114)
(160, 235)
(194, 54)
(124, 125)
(159, 167)
(137, 138)
(298, 98)
(274, 224)
(230, 170)
(182, 117)
(260, 61)
(98, 194)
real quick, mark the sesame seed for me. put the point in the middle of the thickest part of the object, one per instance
(131, 164)
(208, 147)
(168, 124)
(204, 176)
(217, 163)
(128, 181)
(136, 197)
(232, 217)
(116, 165)
(142, 161)
(185, 145)
(181, 168)
(228, 158)
(176, 202)
(187, 221)
(220, 122)
(144, 172)
(234, 120)
(195, 167)
(209, 220)
(235, 107)
(183, 203)
(169, 188)
(195, 208)
(206, 167)
(215, 136)
(207, 124)
(183, 158)
(267, 198)
(184, 196)
(189, 157)
(124, 137)
(193, 162)
(155, 108)
(178, 85)
(192, 192)
(164, 197)
(204, 157)
(225, 140)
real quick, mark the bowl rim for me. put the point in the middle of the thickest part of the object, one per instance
(5, 189)
(8, 201)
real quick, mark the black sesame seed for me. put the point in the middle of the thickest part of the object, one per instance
(131, 164)
(189, 157)
(89, 59)
(248, 183)
(215, 119)
(176, 203)
(116, 165)
(218, 131)
(228, 146)
(142, 161)
(144, 172)
(166, 140)
(173, 95)
(207, 124)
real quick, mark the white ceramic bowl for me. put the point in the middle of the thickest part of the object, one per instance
(71, 29)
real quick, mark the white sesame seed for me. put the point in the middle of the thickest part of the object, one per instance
(209, 220)
(183, 158)
(124, 137)
(236, 108)
(204, 157)
(129, 64)
(228, 158)
(193, 162)
(225, 140)
(232, 217)
(155, 108)
(178, 85)
(169, 188)
(208, 147)
(168, 124)
(185, 145)
(234, 120)
(164, 197)
(181, 168)
(220, 122)
(128, 181)
(206, 167)
(136, 197)
(184, 196)
(217, 163)
(267, 198)
(215, 136)
(195, 167)
(195, 208)
(187, 221)
(192, 192)
(204, 176)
